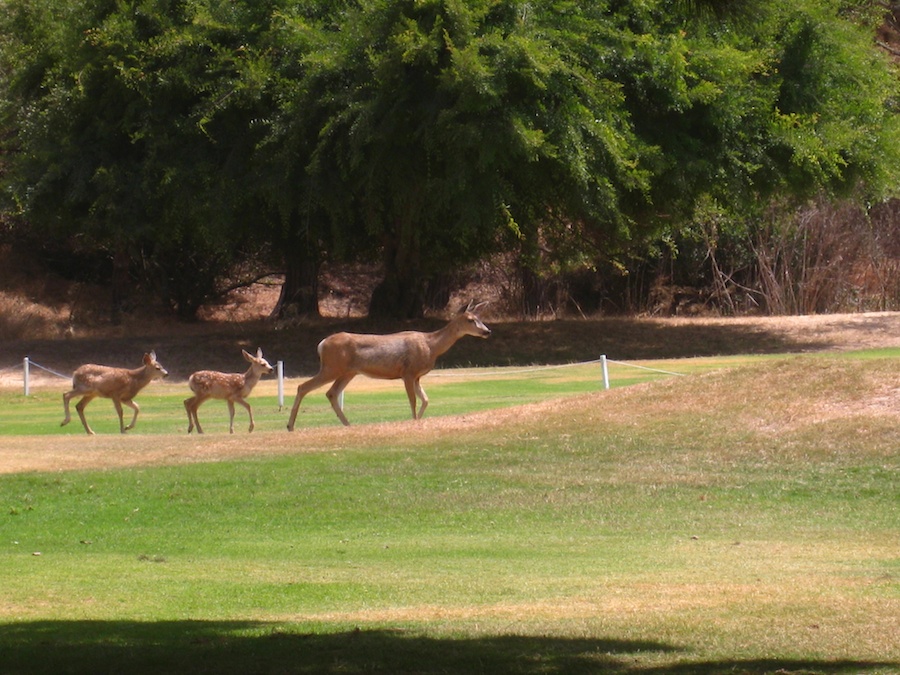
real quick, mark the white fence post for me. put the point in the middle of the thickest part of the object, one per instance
(605, 367)
(279, 367)
(26, 376)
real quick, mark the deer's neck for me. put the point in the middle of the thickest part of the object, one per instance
(441, 340)
(135, 380)
(252, 377)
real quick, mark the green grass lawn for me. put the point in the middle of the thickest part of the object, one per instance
(744, 518)
(451, 392)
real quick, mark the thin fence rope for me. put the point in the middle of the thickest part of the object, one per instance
(655, 370)
(440, 373)
(530, 369)
(48, 370)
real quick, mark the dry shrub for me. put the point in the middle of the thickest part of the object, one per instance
(22, 319)
(33, 305)
(829, 258)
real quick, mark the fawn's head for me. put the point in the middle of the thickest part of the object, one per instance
(258, 361)
(154, 367)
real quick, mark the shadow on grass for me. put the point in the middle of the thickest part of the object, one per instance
(195, 647)
(512, 343)
(629, 339)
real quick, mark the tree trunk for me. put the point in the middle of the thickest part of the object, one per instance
(300, 290)
(533, 286)
(534, 296)
(121, 284)
(438, 291)
(398, 298)
(401, 293)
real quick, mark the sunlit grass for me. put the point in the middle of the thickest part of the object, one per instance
(451, 392)
(739, 519)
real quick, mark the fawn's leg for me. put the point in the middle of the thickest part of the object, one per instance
(80, 408)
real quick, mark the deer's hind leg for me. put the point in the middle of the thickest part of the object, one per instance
(191, 405)
(80, 406)
(68, 396)
(187, 409)
(303, 389)
(334, 396)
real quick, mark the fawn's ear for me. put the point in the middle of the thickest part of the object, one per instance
(149, 358)
(247, 355)
(259, 352)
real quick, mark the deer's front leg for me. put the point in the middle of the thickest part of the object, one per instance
(133, 406)
(423, 397)
(244, 403)
(414, 391)
(230, 415)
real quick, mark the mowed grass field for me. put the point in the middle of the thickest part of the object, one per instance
(741, 517)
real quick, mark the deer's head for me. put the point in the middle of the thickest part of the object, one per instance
(470, 322)
(258, 361)
(154, 367)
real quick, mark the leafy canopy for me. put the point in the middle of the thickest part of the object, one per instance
(192, 135)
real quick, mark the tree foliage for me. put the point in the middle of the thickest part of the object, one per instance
(179, 138)
(120, 144)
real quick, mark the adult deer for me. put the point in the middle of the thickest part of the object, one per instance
(232, 387)
(407, 355)
(120, 384)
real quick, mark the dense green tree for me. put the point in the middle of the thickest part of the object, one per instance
(448, 124)
(441, 129)
(429, 132)
(298, 41)
(794, 102)
(747, 103)
(122, 147)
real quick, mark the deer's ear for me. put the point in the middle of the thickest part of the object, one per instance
(149, 358)
(259, 352)
(477, 307)
(246, 355)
